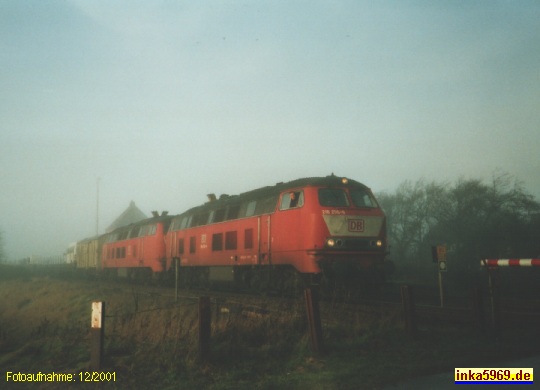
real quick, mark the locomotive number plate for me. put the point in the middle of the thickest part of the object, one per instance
(356, 225)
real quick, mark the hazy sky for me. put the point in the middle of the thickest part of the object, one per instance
(167, 101)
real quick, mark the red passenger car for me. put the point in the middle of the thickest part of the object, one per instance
(308, 225)
(137, 249)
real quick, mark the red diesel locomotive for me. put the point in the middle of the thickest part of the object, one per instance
(310, 225)
(307, 227)
(136, 250)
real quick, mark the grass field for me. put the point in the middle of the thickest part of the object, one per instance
(152, 342)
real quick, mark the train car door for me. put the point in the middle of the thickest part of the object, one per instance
(287, 226)
(264, 241)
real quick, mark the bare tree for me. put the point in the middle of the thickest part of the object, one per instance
(412, 213)
(473, 219)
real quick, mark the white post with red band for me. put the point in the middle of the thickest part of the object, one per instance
(510, 262)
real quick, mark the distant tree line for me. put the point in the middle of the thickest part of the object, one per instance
(473, 219)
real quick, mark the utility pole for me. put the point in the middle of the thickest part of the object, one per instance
(97, 206)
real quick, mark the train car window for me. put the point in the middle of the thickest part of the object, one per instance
(233, 212)
(333, 197)
(292, 199)
(152, 230)
(230, 240)
(250, 210)
(192, 244)
(203, 218)
(266, 205)
(181, 246)
(134, 232)
(134, 251)
(219, 215)
(248, 239)
(362, 198)
(217, 241)
(142, 231)
(177, 224)
(186, 222)
(200, 219)
(123, 235)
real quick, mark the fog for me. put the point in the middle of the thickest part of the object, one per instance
(164, 102)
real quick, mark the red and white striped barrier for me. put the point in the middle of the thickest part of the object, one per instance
(510, 262)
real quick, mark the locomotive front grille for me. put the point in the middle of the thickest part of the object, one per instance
(357, 244)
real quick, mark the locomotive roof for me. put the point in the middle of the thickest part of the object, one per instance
(147, 221)
(268, 191)
(87, 239)
(331, 180)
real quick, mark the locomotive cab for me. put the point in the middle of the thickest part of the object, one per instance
(327, 224)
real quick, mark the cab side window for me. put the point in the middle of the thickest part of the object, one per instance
(291, 199)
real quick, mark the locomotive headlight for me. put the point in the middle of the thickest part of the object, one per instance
(378, 243)
(330, 242)
(344, 180)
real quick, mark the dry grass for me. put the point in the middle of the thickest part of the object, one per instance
(152, 341)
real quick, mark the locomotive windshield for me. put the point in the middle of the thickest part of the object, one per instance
(362, 198)
(336, 197)
(333, 197)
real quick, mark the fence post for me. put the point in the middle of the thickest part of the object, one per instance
(314, 319)
(205, 319)
(495, 301)
(407, 298)
(97, 332)
(478, 309)
(176, 265)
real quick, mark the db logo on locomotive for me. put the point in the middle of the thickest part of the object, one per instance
(356, 225)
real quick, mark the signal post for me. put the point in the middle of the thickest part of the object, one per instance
(439, 256)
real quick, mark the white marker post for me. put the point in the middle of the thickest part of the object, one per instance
(97, 334)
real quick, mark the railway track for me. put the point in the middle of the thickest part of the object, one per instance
(511, 312)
